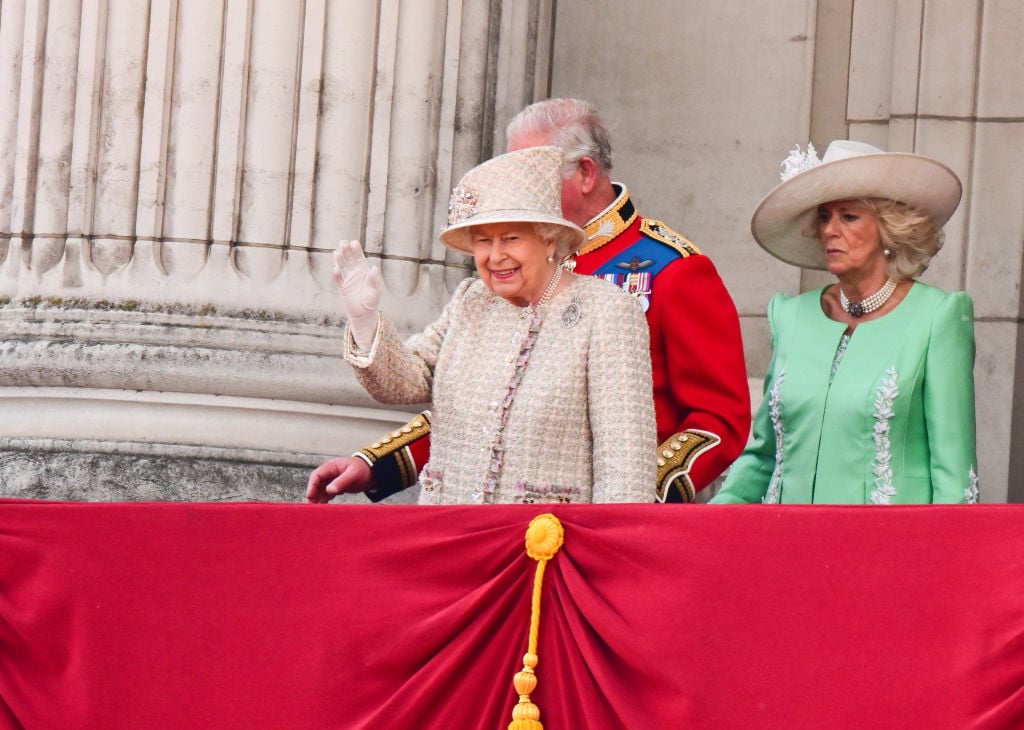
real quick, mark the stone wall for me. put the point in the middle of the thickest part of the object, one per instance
(176, 173)
(705, 100)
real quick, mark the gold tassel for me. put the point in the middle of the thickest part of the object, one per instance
(544, 537)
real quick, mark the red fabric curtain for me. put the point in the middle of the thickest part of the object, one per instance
(653, 616)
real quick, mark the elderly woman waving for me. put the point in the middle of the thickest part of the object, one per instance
(540, 380)
(869, 396)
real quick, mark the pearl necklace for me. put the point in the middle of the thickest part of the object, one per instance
(546, 296)
(868, 304)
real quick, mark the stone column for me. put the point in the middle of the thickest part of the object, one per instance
(175, 176)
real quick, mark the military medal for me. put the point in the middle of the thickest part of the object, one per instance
(636, 283)
(639, 285)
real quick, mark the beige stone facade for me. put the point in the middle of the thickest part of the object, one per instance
(176, 173)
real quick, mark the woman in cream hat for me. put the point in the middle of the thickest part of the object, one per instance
(540, 380)
(869, 396)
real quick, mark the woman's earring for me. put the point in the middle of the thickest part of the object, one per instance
(551, 259)
(886, 251)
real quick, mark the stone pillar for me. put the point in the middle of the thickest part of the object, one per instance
(175, 176)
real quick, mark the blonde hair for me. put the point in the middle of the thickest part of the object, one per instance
(910, 235)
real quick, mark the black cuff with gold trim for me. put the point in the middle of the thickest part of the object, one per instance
(390, 459)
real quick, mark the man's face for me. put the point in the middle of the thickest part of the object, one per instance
(572, 195)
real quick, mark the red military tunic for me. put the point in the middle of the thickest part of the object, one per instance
(701, 397)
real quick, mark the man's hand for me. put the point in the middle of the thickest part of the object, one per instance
(343, 475)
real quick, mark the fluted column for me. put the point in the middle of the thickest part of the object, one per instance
(175, 176)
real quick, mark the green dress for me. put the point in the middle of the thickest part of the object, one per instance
(885, 416)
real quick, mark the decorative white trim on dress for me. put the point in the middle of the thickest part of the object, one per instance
(887, 394)
(497, 460)
(840, 351)
(972, 493)
(774, 492)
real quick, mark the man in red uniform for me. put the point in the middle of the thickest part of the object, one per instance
(701, 397)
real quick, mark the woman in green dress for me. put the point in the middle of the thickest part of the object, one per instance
(869, 395)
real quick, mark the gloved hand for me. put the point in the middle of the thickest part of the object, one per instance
(359, 286)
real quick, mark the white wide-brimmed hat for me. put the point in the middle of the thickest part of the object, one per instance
(848, 171)
(521, 187)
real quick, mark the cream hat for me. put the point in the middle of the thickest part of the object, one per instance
(522, 187)
(848, 171)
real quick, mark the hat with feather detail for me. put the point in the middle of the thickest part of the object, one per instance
(848, 171)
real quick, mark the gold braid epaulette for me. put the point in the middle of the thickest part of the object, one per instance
(676, 456)
(660, 232)
(395, 442)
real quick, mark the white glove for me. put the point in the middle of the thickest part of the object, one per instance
(359, 286)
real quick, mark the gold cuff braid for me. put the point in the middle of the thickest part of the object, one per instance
(394, 444)
(675, 457)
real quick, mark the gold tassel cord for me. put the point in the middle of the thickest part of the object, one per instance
(544, 537)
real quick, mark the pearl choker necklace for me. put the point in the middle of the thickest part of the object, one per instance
(868, 304)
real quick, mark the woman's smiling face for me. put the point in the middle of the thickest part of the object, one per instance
(512, 260)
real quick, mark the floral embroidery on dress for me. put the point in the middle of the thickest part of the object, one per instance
(774, 492)
(972, 494)
(887, 394)
(840, 351)
(431, 479)
(528, 493)
(498, 447)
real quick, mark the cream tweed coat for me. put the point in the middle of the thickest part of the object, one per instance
(578, 428)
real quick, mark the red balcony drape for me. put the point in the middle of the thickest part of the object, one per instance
(143, 615)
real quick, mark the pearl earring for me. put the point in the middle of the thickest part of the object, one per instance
(886, 251)
(551, 259)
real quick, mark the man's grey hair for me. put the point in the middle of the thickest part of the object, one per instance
(572, 124)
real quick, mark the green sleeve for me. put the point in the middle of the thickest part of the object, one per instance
(949, 401)
(749, 476)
